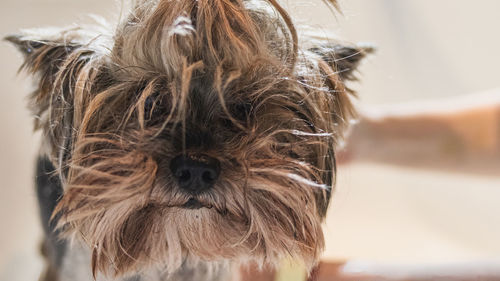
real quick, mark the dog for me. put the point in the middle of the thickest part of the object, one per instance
(196, 136)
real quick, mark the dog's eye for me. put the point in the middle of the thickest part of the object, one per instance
(148, 105)
(239, 113)
(154, 106)
(242, 111)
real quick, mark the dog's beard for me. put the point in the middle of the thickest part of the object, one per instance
(258, 227)
(133, 217)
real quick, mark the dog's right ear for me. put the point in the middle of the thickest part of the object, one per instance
(26, 47)
(61, 60)
(44, 52)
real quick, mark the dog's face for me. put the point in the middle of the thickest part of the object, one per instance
(200, 131)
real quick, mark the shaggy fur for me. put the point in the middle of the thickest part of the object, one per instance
(225, 78)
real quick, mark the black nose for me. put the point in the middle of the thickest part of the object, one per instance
(195, 173)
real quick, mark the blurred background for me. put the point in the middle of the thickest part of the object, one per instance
(400, 199)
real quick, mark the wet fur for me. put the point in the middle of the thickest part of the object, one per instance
(225, 78)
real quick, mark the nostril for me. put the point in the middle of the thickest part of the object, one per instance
(183, 175)
(209, 176)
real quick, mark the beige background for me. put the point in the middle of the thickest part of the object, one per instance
(427, 49)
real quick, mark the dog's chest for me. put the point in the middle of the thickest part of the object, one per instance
(76, 267)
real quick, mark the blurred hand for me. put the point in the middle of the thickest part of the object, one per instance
(456, 134)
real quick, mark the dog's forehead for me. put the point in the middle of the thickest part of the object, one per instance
(203, 96)
(170, 36)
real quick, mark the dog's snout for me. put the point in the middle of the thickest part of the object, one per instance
(195, 173)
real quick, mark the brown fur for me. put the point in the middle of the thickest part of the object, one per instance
(222, 77)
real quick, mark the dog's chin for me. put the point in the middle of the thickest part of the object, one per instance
(195, 204)
(205, 227)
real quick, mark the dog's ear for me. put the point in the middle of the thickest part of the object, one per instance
(338, 63)
(59, 60)
(25, 46)
(343, 59)
(45, 51)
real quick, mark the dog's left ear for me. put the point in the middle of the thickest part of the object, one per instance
(338, 63)
(343, 59)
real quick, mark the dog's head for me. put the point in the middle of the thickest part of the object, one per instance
(197, 130)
